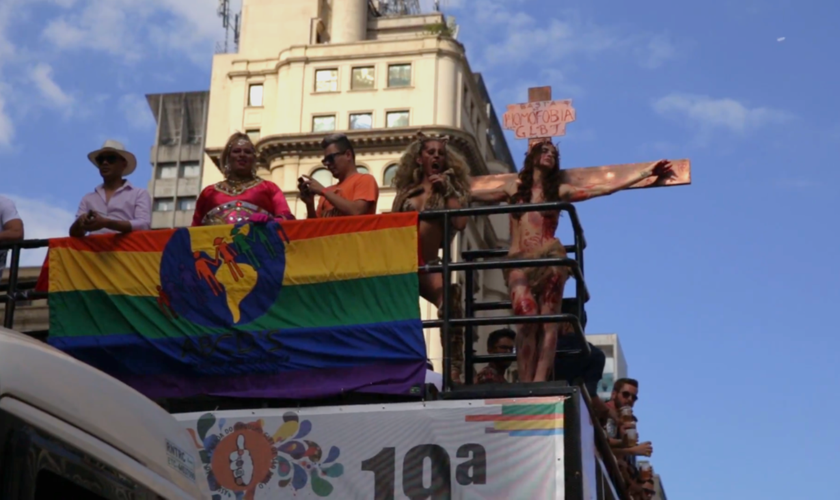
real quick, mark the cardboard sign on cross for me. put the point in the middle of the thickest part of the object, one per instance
(543, 118)
(540, 117)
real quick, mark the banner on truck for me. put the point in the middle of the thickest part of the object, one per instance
(330, 304)
(478, 449)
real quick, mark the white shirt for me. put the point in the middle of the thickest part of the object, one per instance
(8, 213)
(128, 203)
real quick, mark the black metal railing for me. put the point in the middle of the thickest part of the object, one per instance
(573, 311)
(497, 260)
(11, 293)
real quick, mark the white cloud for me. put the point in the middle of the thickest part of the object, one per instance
(42, 76)
(137, 112)
(41, 220)
(656, 52)
(710, 113)
(7, 51)
(7, 129)
(129, 28)
(519, 39)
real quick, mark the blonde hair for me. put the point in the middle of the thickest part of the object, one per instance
(233, 139)
(457, 174)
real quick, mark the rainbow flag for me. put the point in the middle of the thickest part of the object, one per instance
(299, 310)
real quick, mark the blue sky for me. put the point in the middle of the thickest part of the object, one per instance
(722, 292)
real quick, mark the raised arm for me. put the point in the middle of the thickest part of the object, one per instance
(661, 169)
(494, 191)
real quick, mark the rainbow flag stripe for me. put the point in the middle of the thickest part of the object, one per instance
(303, 309)
(525, 417)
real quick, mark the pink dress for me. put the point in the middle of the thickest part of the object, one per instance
(223, 204)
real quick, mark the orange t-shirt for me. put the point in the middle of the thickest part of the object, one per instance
(356, 187)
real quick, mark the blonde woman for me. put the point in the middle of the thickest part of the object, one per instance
(433, 176)
(243, 196)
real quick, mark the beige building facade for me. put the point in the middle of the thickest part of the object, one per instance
(306, 68)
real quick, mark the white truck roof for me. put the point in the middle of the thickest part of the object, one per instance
(46, 378)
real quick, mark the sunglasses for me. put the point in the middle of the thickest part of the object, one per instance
(330, 158)
(110, 158)
(629, 395)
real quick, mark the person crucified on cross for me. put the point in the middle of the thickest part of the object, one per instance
(540, 290)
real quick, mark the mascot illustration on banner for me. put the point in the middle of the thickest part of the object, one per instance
(242, 459)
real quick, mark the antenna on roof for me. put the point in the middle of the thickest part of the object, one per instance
(399, 7)
(229, 24)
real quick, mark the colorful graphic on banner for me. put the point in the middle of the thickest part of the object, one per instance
(536, 417)
(435, 449)
(243, 457)
(330, 304)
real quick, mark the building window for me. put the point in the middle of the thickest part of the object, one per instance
(326, 80)
(362, 169)
(363, 78)
(167, 171)
(255, 95)
(323, 123)
(186, 204)
(399, 75)
(191, 169)
(396, 119)
(361, 121)
(390, 173)
(323, 176)
(164, 205)
(254, 135)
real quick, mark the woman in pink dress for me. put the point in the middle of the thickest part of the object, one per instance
(242, 196)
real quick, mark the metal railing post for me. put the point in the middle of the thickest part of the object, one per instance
(11, 293)
(469, 300)
(444, 330)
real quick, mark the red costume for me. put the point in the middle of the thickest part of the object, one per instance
(226, 203)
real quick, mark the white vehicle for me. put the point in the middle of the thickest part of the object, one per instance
(68, 430)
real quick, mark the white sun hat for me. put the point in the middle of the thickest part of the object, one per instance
(113, 146)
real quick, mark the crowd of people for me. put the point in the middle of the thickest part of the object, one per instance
(615, 415)
(431, 175)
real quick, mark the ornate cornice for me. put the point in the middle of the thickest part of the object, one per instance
(395, 140)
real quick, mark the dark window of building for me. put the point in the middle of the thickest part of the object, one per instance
(399, 75)
(323, 123)
(363, 78)
(166, 171)
(190, 169)
(361, 121)
(326, 80)
(186, 204)
(164, 205)
(397, 119)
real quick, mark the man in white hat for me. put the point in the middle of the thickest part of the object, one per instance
(115, 206)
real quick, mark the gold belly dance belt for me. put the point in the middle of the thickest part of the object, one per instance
(234, 212)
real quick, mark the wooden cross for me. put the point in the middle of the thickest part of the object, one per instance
(543, 116)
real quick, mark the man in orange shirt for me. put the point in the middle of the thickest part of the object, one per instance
(355, 193)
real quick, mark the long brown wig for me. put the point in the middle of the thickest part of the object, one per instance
(410, 174)
(551, 181)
